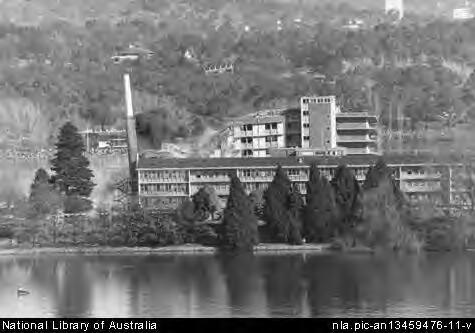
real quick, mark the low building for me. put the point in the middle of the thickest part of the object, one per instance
(167, 182)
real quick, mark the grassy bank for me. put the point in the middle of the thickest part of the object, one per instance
(174, 249)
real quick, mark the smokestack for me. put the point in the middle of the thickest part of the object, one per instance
(131, 135)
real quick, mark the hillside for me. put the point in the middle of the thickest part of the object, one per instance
(56, 62)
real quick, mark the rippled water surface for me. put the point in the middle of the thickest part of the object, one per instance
(241, 286)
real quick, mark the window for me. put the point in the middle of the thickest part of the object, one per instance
(306, 137)
(246, 140)
(293, 172)
(247, 152)
(267, 152)
(274, 125)
(306, 125)
(305, 113)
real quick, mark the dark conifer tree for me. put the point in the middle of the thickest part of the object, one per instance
(238, 231)
(43, 198)
(347, 192)
(319, 211)
(294, 206)
(72, 175)
(275, 207)
(380, 173)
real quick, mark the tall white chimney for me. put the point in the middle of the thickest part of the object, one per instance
(131, 134)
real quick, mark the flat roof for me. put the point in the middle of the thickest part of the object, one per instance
(236, 162)
(258, 120)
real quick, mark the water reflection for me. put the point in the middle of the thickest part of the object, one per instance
(225, 286)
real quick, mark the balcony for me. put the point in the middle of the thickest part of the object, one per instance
(405, 187)
(419, 175)
(355, 115)
(354, 126)
(163, 194)
(275, 131)
(209, 179)
(271, 145)
(295, 178)
(256, 179)
(246, 146)
(360, 151)
(154, 180)
(355, 138)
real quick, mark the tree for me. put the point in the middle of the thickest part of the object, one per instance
(319, 211)
(295, 205)
(44, 199)
(257, 200)
(239, 228)
(380, 173)
(383, 224)
(72, 175)
(206, 203)
(347, 193)
(275, 207)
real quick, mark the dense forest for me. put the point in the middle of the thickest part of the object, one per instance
(57, 65)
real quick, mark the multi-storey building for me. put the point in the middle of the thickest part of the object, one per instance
(165, 182)
(255, 135)
(318, 121)
(356, 132)
(325, 126)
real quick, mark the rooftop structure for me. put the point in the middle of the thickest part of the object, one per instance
(132, 53)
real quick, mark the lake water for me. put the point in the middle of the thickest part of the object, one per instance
(297, 285)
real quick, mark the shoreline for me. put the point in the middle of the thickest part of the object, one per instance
(166, 250)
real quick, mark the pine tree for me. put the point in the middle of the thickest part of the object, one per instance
(380, 173)
(275, 207)
(319, 211)
(72, 174)
(295, 205)
(239, 228)
(347, 199)
(43, 198)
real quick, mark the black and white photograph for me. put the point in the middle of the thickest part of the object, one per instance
(236, 159)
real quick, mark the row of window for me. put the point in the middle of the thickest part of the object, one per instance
(154, 188)
(173, 175)
(316, 100)
(269, 126)
(270, 138)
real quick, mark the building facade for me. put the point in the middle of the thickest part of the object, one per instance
(357, 132)
(167, 182)
(318, 121)
(254, 136)
(325, 126)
